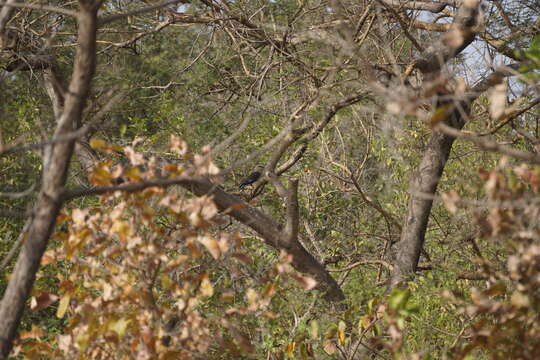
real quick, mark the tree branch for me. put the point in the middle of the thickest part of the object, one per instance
(266, 227)
(54, 177)
(111, 18)
(56, 9)
(490, 145)
(461, 34)
(433, 7)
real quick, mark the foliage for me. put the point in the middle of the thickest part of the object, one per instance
(161, 273)
(135, 286)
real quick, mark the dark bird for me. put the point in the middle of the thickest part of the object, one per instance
(254, 176)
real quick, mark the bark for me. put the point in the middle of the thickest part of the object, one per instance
(424, 182)
(54, 176)
(54, 86)
(5, 15)
(466, 25)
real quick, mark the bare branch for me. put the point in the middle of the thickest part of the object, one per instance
(12, 213)
(425, 180)
(433, 7)
(5, 15)
(233, 206)
(16, 245)
(74, 135)
(56, 9)
(461, 34)
(18, 195)
(363, 262)
(490, 145)
(314, 133)
(112, 18)
(280, 189)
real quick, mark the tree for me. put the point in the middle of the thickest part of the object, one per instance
(350, 100)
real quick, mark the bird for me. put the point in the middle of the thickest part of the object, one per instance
(251, 178)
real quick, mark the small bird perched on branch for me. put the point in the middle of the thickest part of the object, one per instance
(254, 176)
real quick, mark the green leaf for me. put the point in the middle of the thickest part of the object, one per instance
(314, 329)
(398, 299)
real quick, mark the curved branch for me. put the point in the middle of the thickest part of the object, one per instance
(461, 34)
(433, 7)
(272, 233)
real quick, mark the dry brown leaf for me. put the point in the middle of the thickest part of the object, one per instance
(42, 300)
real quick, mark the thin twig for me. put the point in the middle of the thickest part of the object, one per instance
(364, 262)
(112, 18)
(16, 245)
(40, 7)
(18, 195)
(490, 145)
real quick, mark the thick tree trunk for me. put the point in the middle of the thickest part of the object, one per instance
(422, 187)
(424, 181)
(56, 164)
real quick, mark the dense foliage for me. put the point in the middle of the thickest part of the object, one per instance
(153, 251)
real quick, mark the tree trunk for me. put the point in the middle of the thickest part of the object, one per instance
(422, 187)
(56, 164)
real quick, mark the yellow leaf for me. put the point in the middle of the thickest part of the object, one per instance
(519, 300)
(63, 306)
(102, 145)
(122, 228)
(290, 349)
(48, 258)
(439, 114)
(363, 323)
(98, 144)
(252, 298)
(82, 341)
(206, 287)
(133, 174)
(211, 245)
(314, 329)
(119, 326)
(341, 332)
(32, 334)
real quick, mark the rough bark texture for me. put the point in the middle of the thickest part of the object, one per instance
(5, 15)
(54, 176)
(425, 179)
(424, 182)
